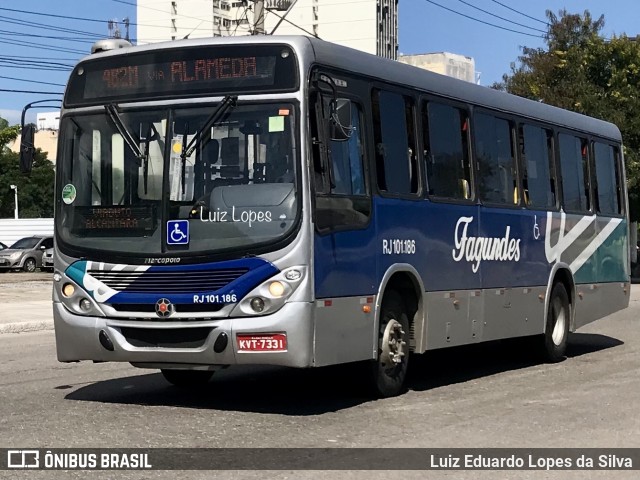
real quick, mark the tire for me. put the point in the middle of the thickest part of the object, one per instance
(187, 378)
(29, 265)
(389, 370)
(557, 328)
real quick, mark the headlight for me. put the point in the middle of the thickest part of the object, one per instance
(271, 294)
(75, 298)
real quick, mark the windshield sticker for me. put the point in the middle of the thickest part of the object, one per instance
(178, 232)
(69, 194)
(276, 124)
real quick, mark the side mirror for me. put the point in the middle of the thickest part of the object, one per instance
(27, 149)
(340, 121)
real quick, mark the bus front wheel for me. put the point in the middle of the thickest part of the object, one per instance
(390, 369)
(187, 378)
(557, 327)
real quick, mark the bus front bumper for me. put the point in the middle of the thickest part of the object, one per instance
(184, 343)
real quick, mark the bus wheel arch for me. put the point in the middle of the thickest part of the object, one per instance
(399, 316)
(559, 314)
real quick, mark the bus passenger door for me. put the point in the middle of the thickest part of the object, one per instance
(344, 262)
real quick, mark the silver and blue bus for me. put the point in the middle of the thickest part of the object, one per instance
(287, 201)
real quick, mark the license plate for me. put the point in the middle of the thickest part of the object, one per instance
(271, 342)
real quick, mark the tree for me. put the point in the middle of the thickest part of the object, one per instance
(7, 133)
(35, 191)
(581, 71)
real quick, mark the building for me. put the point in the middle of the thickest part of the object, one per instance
(367, 25)
(445, 63)
(48, 120)
(45, 140)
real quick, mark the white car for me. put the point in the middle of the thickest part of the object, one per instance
(47, 260)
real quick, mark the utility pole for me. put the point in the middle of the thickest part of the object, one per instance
(259, 17)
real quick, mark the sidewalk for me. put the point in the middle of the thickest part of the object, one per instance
(25, 302)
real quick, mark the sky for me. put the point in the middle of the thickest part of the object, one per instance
(40, 41)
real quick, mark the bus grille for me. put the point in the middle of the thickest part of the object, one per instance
(168, 282)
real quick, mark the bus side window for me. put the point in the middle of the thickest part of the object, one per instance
(608, 182)
(396, 164)
(496, 177)
(575, 173)
(536, 151)
(346, 160)
(445, 130)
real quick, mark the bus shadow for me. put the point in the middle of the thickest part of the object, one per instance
(261, 389)
(449, 366)
(295, 392)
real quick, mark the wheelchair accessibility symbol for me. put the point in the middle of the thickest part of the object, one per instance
(178, 232)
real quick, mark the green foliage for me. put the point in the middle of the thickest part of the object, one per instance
(581, 71)
(35, 192)
(7, 133)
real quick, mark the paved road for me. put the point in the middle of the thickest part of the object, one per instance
(493, 395)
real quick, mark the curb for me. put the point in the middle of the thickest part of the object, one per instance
(21, 327)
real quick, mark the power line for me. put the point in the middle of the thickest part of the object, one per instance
(293, 24)
(65, 39)
(31, 68)
(46, 59)
(31, 44)
(482, 21)
(28, 23)
(502, 18)
(30, 91)
(32, 81)
(519, 12)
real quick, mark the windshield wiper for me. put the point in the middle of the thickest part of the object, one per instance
(183, 156)
(112, 110)
(152, 134)
(203, 136)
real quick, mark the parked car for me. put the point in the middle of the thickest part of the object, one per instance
(25, 254)
(47, 260)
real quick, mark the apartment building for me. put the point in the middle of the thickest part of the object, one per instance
(367, 25)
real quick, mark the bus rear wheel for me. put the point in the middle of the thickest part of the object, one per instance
(557, 327)
(187, 378)
(389, 371)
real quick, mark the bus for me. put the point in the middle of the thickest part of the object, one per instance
(281, 200)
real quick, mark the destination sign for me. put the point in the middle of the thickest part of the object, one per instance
(211, 70)
(120, 220)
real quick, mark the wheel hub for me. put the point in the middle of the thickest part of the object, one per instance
(393, 344)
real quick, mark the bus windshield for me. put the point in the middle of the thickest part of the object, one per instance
(159, 181)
